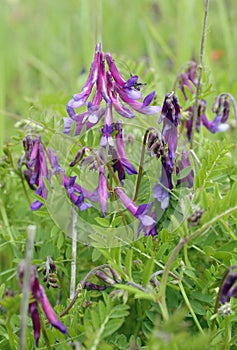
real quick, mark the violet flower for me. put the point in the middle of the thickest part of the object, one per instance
(121, 154)
(37, 169)
(228, 288)
(75, 192)
(170, 115)
(40, 297)
(111, 87)
(142, 212)
(108, 127)
(80, 99)
(102, 190)
(88, 119)
(220, 106)
(182, 164)
(161, 191)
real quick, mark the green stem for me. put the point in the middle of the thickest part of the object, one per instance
(186, 259)
(199, 74)
(190, 307)
(139, 176)
(6, 222)
(163, 284)
(46, 339)
(227, 333)
(81, 285)
(175, 252)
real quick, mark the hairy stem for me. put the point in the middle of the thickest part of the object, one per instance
(81, 285)
(199, 74)
(74, 254)
(139, 176)
(190, 307)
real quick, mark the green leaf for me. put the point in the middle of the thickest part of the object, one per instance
(111, 327)
(96, 254)
(129, 262)
(148, 269)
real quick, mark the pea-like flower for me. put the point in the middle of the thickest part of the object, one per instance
(142, 212)
(120, 158)
(161, 191)
(228, 288)
(39, 297)
(105, 83)
(37, 169)
(170, 115)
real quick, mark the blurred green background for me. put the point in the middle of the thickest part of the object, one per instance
(46, 44)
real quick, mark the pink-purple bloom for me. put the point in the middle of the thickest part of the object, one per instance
(39, 297)
(170, 115)
(228, 288)
(142, 212)
(108, 85)
(102, 190)
(75, 192)
(121, 159)
(161, 191)
(184, 163)
(37, 169)
(221, 106)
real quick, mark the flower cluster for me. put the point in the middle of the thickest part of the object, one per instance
(170, 115)
(221, 105)
(39, 297)
(110, 87)
(41, 165)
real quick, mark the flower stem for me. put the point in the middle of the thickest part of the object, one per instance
(74, 254)
(199, 74)
(227, 333)
(81, 285)
(26, 286)
(190, 307)
(139, 177)
(163, 284)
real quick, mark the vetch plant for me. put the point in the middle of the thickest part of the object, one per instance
(134, 202)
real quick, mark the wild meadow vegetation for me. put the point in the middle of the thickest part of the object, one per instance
(118, 174)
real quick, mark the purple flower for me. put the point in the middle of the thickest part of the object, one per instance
(182, 164)
(75, 192)
(56, 169)
(80, 99)
(127, 86)
(161, 191)
(229, 285)
(37, 169)
(141, 107)
(221, 106)
(108, 127)
(187, 79)
(142, 212)
(88, 119)
(39, 296)
(170, 115)
(110, 86)
(121, 154)
(102, 190)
